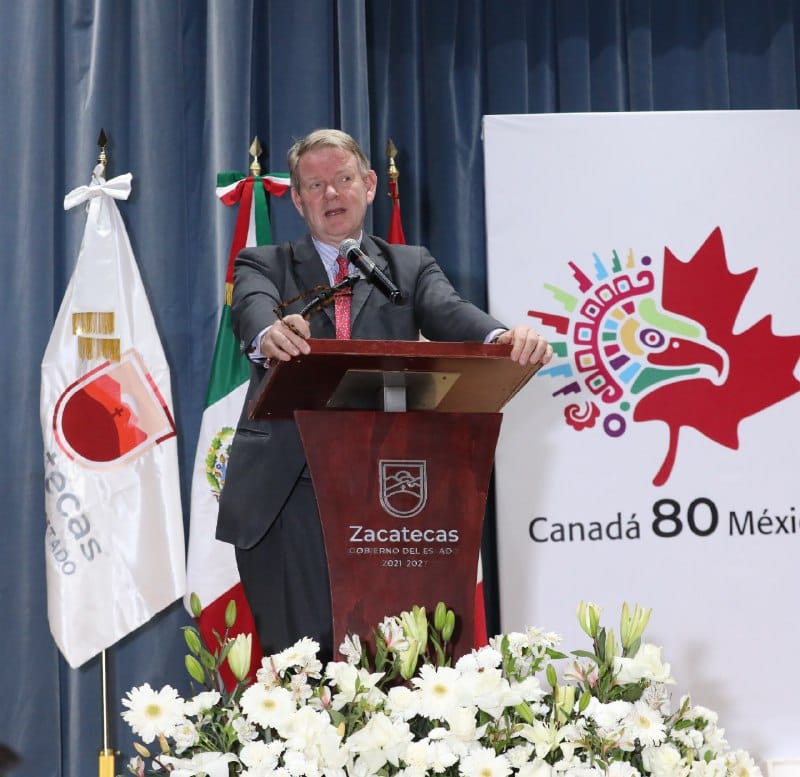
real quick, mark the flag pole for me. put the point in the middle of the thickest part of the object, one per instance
(105, 764)
(105, 761)
(395, 234)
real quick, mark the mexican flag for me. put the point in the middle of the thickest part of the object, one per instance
(211, 570)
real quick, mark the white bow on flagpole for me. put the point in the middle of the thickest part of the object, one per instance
(119, 188)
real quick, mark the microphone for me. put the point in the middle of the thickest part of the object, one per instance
(351, 250)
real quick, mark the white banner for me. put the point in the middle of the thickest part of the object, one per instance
(654, 460)
(114, 536)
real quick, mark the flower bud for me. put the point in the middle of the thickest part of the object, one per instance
(612, 649)
(142, 750)
(239, 656)
(415, 626)
(589, 618)
(230, 613)
(192, 639)
(440, 613)
(632, 626)
(195, 669)
(563, 701)
(409, 659)
(449, 626)
(195, 606)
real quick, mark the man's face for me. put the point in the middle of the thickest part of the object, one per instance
(333, 195)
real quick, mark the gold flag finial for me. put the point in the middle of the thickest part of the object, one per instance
(102, 158)
(255, 152)
(391, 152)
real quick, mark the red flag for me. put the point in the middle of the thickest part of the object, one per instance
(397, 236)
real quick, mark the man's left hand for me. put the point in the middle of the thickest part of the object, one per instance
(527, 345)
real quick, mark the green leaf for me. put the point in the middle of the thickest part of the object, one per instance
(207, 659)
(586, 654)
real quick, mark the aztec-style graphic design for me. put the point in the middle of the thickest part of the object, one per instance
(217, 460)
(112, 414)
(634, 347)
(403, 487)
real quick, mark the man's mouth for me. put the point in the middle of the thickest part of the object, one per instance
(334, 211)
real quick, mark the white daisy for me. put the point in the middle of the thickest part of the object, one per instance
(439, 691)
(267, 707)
(484, 763)
(151, 713)
(644, 724)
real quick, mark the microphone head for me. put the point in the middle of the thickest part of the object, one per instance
(346, 246)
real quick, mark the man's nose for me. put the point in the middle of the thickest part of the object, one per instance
(330, 191)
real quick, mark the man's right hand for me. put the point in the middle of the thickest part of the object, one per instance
(286, 338)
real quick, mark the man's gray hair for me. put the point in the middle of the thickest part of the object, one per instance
(325, 138)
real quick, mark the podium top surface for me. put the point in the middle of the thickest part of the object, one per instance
(439, 377)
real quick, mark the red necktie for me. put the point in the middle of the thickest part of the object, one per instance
(341, 305)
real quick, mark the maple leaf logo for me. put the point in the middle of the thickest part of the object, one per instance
(760, 364)
(629, 353)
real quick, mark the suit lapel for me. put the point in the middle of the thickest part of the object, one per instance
(364, 290)
(309, 270)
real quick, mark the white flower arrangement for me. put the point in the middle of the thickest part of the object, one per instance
(504, 710)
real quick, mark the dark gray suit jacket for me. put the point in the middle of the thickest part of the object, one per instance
(267, 457)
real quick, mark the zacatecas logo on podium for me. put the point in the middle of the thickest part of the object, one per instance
(403, 486)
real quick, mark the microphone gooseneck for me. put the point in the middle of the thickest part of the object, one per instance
(351, 250)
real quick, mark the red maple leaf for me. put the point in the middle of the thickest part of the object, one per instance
(760, 363)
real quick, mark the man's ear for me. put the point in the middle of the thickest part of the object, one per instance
(296, 200)
(372, 185)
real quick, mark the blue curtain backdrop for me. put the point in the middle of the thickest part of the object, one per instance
(181, 88)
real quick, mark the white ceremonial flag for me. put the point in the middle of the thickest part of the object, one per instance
(114, 537)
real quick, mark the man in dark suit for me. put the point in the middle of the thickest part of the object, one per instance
(267, 508)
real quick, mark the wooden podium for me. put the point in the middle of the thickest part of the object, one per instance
(399, 437)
